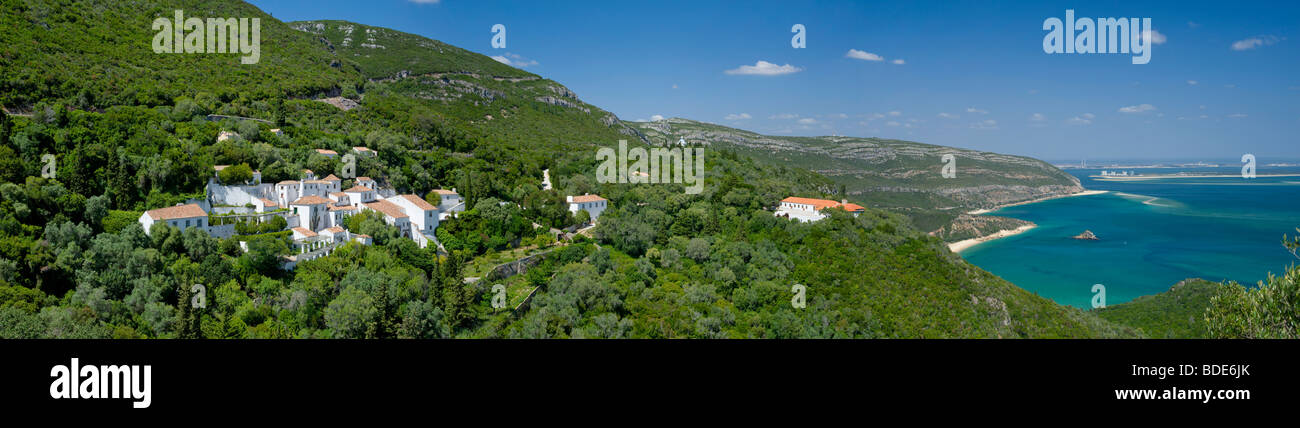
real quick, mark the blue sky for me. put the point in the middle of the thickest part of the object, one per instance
(1223, 79)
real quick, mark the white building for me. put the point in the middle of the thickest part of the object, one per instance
(809, 209)
(593, 204)
(313, 212)
(360, 194)
(423, 216)
(363, 151)
(180, 216)
(449, 202)
(394, 215)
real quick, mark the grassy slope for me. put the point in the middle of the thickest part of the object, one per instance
(1177, 313)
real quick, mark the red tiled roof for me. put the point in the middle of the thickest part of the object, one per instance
(821, 204)
(445, 192)
(419, 203)
(326, 152)
(310, 200)
(343, 208)
(387, 208)
(287, 182)
(179, 211)
(588, 198)
(304, 231)
(335, 230)
(331, 177)
(358, 189)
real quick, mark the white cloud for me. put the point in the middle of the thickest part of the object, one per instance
(674, 86)
(784, 116)
(1037, 117)
(1083, 119)
(1254, 42)
(947, 115)
(895, 113)
(807, 121)
(514, 60)
(840, 116)
(425, 1)
(975, 110)
(742, 116)
(862, 55)
(1192, 82)
(764, 68)
(1237, 115)
(656, 118)
(898, 62)
(985, 124)
(892, 123)
(1154, 37)
(1140, 108)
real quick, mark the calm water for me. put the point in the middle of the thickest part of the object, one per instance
(1153, 233)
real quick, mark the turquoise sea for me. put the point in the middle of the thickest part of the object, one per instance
(1153, 233)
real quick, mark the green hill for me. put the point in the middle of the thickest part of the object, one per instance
(96, 54)
(900, 175)
(1178, 313)
(669, 264)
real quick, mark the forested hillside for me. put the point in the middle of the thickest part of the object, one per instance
(661, 263)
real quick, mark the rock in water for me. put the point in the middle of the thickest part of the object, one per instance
(1087, 235)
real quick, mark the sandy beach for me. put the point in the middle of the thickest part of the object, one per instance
(1083, 193)
(958, 246)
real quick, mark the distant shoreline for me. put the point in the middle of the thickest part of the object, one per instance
(1083, 193)
(1155, 177)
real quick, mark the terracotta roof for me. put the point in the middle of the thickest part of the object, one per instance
(304, 231)
(317, 181)
(364, 179)
(419, 203)
(387, 208)
(179, 211)
(338, 194)
(331, 177)
(307, 171)
(335, 230)
(220, 167)
(364, 235)
(361, 149)
(588, 198)
(310, 200)
(445, 192)
(343, 208)
(821, 204)
(358, 189)
(287, 182)
(326, 152)
(269, 203)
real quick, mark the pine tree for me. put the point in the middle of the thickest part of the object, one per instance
(187, 320)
